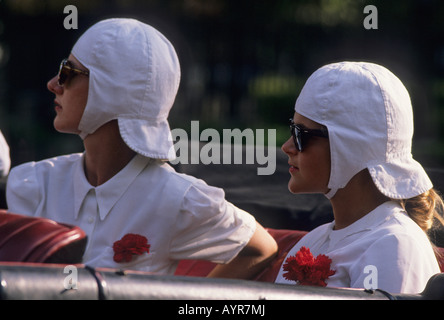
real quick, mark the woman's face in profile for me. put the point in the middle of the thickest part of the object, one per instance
(70, 99)
(310, 168)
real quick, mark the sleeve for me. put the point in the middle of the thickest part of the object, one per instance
(209, 227)
(23, 194)
(396, 264)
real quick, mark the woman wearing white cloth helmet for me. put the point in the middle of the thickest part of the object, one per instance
(351, 140)
(115, 91)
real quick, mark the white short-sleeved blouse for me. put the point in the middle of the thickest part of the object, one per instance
(181, 216)
(385, 248)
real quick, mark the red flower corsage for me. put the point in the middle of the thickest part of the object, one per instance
(130, 244)
(308, 270)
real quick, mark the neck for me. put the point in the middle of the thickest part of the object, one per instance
(359, 197)
(105, 154)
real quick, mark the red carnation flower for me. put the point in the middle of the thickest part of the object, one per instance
(307, 270)
(131, 244)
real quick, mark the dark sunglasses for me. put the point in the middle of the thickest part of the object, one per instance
(301, 134)
(67, 70)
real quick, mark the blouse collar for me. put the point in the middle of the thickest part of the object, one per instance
(108, 193)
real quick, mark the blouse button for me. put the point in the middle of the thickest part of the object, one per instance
(90, 219)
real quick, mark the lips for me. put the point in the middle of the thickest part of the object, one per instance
(57, 105)
(293, 168)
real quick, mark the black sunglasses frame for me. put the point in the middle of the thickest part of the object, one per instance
(67, 71)
(301, 134)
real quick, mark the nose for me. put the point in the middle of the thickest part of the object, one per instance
(288, 147)
(53, 86)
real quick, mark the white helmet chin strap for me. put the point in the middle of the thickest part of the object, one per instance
(83, 135)
(330, 194)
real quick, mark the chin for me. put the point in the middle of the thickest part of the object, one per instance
(296, 188)
(292, 188)
(60, 128)
(63, 129)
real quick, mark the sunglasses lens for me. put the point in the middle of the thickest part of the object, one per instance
(63, 73)
(62, 78)
(296, 137)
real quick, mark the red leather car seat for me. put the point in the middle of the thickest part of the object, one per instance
(32, 239)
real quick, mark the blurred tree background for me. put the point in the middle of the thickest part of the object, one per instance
(243, 61)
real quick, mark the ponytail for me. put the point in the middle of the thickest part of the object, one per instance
(425, 209)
